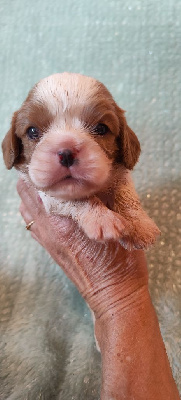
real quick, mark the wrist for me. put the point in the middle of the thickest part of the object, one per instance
(118, 285)
(112, 326)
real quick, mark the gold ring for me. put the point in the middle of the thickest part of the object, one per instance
(28, 227)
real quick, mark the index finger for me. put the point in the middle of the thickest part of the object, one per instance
(26, 190)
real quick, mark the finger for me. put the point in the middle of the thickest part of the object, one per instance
(35, 237)
(21, 186)
(27, 192)
(29, 224)
(31, 206)
(25, 213)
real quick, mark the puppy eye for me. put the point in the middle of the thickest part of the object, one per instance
(101, 129)
(33, 133)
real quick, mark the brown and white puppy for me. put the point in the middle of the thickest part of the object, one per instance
(72, 141)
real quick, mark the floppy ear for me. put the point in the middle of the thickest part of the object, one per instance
(128, 143)
(11, 144)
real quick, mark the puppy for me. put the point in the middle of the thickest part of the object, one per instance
(72, 142)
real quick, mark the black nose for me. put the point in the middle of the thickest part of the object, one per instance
(66, 158)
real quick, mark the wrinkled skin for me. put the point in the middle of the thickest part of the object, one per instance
(114, 283)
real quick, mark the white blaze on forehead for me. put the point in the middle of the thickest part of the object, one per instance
(61, 91)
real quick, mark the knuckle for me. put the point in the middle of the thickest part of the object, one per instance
(22, 187)
(18, 185)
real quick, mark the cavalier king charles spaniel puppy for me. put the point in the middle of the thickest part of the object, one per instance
(72, 142)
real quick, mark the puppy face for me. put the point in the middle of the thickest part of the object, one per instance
(68, 135)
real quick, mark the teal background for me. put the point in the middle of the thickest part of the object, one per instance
(47, 348)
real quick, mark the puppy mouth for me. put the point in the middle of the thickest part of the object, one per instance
(67, 177)
(64, 181)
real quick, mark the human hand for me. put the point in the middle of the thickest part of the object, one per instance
(100, 271)
(114, 283)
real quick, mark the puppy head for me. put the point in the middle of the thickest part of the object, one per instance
(68, 135)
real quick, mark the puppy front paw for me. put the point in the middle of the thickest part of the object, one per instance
(142, 233)
(103, 225)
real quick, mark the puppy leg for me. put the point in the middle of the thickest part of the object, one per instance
(142, 230)
(95, 219)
